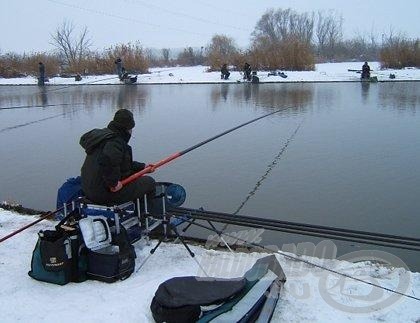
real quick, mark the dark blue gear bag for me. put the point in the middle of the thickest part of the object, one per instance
(69, 191)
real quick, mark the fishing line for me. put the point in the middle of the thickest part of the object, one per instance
(175, 13)
(152, 167)
(55, 90)
(226, 10)
(270, 167)
(103, 13)
(297, 258)
(39, 106)
(35, 121)
(87, 83)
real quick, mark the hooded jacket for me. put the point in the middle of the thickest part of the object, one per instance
(108, 160)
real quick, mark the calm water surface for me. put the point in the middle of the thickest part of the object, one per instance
(353, 163)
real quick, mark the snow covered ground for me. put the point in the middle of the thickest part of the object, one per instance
(309, 295)
(329, 72)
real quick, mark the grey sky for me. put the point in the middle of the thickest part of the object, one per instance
(26, 25)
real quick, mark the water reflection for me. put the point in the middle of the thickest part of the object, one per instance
(297, 96)
(67, 101)
(219, 93)
(130, 97)
(336, 174)
(401, 95)
(365, 90)
(43, 96)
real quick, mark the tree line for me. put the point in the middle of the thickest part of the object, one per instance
(282, 39)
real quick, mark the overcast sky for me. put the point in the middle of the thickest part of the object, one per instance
(26, 25)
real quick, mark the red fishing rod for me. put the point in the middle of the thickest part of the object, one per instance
(149, 169)
(30, 224)
(152, 167)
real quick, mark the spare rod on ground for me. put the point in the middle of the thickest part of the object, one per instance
(380, 239)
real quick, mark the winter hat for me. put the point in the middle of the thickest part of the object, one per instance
(123, 118)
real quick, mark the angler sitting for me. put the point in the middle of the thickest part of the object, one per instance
(247, 72)
(109, 160)
(224, 72)
(122, 74)
(365, 71)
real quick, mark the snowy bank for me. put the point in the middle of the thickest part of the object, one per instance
(329, 72)
(309, 295)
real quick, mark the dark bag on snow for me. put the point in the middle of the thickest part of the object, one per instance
(59, 256)
(113, 262)
(180, 299)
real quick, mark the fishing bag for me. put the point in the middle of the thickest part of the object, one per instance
(70, 190)
(180, 299)
(59, 256)
(109, 262)
(247, 299)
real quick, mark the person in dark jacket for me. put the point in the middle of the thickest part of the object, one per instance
(247, 72)
(365, 71)
(120, 68)
(41, 78)
(224, 72)
(109, 160)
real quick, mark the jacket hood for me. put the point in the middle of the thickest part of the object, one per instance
(92, 139)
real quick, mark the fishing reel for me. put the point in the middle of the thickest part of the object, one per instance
(174, 194)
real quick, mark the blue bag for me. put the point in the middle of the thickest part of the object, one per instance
(69, 191)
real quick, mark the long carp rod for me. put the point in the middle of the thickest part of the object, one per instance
(151, 168)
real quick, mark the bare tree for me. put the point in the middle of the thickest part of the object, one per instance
(71, 47)
(222, 49)
(187, 57)
(282, 39)
(165, 54)
(280, 25)
(329, 32)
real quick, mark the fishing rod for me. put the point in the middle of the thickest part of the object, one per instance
(296, 258)
(379, 239)
(31, 224)
(150, 168)
(87, 83)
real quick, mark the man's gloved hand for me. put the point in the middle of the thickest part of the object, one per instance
(137, 166)
(152, 167)
(117, 187)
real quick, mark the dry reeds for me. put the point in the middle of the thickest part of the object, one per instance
(399, 52)
(291, 54)
(14, 65)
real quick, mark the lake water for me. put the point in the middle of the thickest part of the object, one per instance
(352, 163)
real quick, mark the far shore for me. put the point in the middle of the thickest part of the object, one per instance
(323, 73)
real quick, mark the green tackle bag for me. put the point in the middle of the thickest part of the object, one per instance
(59, 256)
